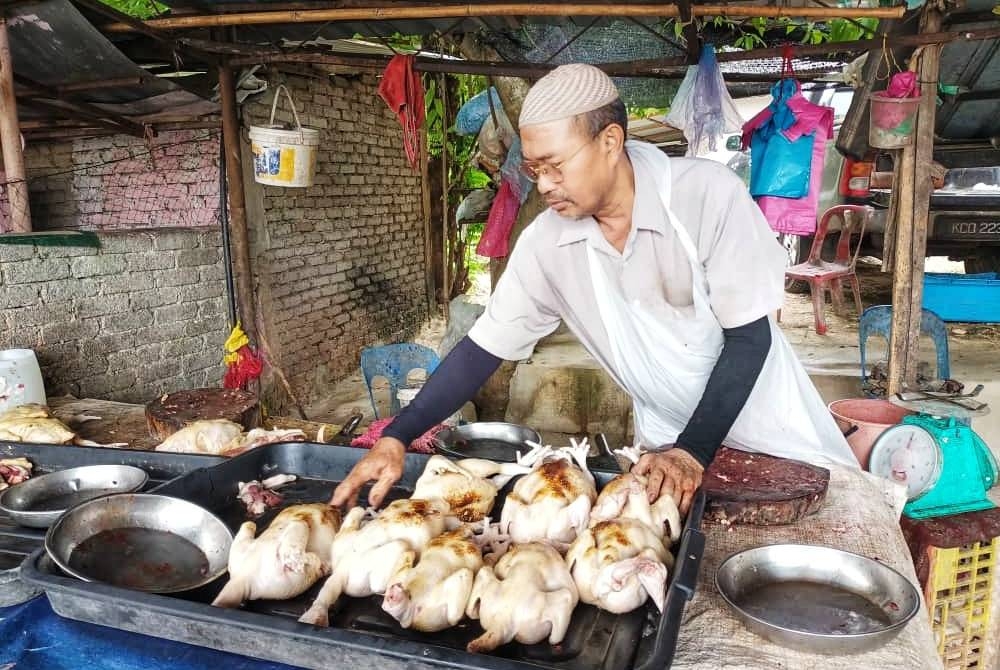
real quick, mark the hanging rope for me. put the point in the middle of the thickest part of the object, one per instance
(888, 59)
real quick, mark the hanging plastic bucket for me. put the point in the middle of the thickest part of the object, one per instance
(862, 421)
(893, 121)
(284, 157)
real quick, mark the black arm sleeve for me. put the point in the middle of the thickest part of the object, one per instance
(743, 354)
(456, 380)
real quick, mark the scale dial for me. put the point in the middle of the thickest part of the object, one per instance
(908, 455)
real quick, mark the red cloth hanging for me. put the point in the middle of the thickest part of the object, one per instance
(495, 242)
(403, 91)
(248, 366)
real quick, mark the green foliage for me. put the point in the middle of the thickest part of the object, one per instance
(140, 9)
(645, 112)
(761, 32)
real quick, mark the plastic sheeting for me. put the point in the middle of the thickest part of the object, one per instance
(33, 637)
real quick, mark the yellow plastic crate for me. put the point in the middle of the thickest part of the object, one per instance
(958, 598)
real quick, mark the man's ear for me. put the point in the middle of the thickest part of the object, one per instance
(613, 138)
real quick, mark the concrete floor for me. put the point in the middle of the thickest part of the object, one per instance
(832, 360)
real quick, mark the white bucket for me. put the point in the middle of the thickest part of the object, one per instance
(284, 157)
(20, 379)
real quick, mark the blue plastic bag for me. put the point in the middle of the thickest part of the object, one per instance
(473, 114)
(778, 166)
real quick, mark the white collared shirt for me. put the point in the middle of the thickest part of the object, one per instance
(547, 277)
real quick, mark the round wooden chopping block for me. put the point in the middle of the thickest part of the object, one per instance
(169, 413)
(741, 487)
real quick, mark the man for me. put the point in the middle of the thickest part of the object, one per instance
(665, 270)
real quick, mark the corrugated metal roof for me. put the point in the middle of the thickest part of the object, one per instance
(53, 44)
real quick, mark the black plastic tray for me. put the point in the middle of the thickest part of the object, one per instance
(361, 634)
(17, 541)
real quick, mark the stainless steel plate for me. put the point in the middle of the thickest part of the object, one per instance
(495, 441)
(141, 541)
(39, 501)
(817, 599)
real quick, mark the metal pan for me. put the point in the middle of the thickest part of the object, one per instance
(495, 441)
(39, 501)
(817, 599)
(141, 541)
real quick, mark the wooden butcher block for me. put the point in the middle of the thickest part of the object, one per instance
(169, 413)
(765, 490)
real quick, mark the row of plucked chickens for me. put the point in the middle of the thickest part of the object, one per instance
(436, 558)
(37, 424)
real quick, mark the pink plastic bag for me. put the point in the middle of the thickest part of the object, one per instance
(903, 85)
(496, 236)
(422, 445)
(797, 216)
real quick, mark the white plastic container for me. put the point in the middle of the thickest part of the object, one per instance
(404, 396)
(284, 157)
(20, 379)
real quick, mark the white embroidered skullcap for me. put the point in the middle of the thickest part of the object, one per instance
(567, 91)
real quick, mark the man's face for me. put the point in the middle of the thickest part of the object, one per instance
(574, 169)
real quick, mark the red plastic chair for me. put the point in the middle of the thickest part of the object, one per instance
(822, 275)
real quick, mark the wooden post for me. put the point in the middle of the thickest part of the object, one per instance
(10, 141)
(445, 285)
(237, 207)
(425, 191)
(911, 230)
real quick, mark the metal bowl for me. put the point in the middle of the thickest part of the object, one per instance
(817, 599)
(495, 441)
(39, 501)
(141, 541)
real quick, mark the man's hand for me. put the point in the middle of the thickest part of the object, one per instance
(383, 464)
(674, 472)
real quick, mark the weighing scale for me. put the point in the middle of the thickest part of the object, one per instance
(944, 464)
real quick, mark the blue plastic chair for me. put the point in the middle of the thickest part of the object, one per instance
(877, 320)
(395, 362)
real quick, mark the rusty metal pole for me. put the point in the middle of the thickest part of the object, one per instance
(238, 236)
(10, 141)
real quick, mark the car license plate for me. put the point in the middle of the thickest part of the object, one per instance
(962, 228)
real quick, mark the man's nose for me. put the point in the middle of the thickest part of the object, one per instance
(545, 184)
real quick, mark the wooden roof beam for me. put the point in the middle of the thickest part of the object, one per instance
(73, 109)
(397, 13)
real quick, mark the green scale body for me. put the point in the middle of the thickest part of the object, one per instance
(947, 467)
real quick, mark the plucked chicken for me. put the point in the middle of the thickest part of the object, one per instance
(528, 596)
(617, 565)
(35, 423)
(623, 558)
(625, 497)
(552, 503)
(366, 555)
(220, 437)
(289, 557)
(433, 594)
(469, 486)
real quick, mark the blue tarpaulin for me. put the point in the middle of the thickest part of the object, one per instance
(33, 637)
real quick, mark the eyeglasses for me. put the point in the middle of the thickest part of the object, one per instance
(553, 170)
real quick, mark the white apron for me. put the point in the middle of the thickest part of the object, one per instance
(665, 363)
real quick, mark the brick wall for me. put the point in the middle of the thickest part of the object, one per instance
(143, 315)
(341, 264)
(119, 183)
(338, 266)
